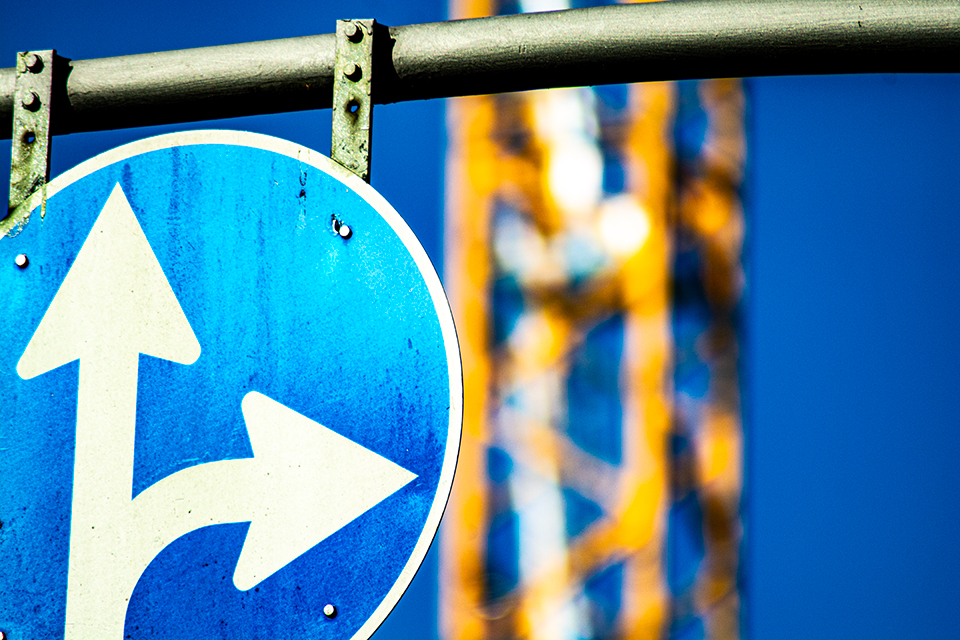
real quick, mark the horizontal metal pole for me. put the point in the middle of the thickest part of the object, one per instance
(601, 45)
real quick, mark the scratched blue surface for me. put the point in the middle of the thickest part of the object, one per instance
(342, 331)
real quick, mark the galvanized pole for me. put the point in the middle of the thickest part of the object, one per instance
(601, 45)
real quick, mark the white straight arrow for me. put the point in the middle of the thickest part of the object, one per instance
(114, 304)
(304, 483)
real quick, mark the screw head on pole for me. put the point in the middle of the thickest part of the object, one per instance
(34, 63)
(31, 101)
(353, 32)
(353, 71)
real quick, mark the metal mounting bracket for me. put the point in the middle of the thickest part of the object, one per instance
(30, 161)
(352, 105)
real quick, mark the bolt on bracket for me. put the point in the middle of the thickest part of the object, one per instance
(352, 105)
(30, 161)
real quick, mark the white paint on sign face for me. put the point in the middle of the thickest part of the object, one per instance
(115, 299)
(304, 483)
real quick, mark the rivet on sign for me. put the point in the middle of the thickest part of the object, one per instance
(3, 636)
(345, 231)
(22, 261)
(353, 32)
(31, 102)
(34, 63)
(328, 610)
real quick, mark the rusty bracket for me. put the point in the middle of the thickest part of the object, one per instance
(352, 105)
(30, 162)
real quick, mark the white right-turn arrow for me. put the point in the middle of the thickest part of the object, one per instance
(304, 483)
(308, 483)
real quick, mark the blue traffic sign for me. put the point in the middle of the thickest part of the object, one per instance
(232, 398)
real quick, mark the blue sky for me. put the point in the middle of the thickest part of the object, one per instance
(851, 358)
